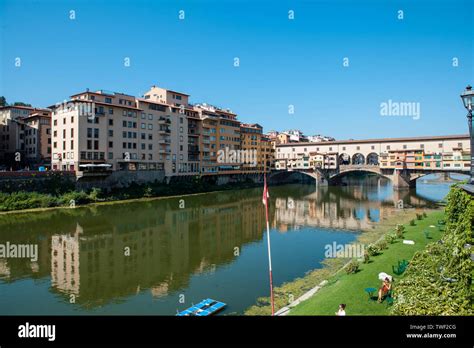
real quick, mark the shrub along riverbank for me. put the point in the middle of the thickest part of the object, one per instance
(439, 279)
(64, 196)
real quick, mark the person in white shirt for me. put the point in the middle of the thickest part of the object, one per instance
(342, 310)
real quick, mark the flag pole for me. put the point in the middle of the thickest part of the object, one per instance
(265, 197)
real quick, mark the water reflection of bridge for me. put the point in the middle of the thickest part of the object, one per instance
(340, 208)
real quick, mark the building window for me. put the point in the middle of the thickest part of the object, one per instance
(96, 144)
(143, 125)
(143, 116)
(150, 126)
(72, 145)
(150, 117)
(422, 146)
(110, 155)
(388, 147)
(96, 133)
(111, 133)
(89, 144)
(404, 147)
(111, 144)
(440, 145)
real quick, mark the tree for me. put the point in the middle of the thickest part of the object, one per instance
(3, 101)
(21, 104)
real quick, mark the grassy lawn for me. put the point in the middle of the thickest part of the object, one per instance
(349, 288)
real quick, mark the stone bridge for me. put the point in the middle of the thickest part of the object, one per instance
(400, 178)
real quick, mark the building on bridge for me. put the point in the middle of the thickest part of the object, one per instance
(414, 157)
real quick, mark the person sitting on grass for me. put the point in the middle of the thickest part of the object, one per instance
(383, 291)
(342, 310)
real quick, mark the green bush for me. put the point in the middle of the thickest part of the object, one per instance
(74, 198)
(366, 257)
(419, 216)
(352, 267)
(373, 250)
(25, 200)
(95, 194)
(412, 223)
(400, 230)
(381, 245)
(439, 279)
(390, 238)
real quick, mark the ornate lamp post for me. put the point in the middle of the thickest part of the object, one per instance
(467, 97)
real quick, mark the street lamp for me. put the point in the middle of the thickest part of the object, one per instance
(467, 97)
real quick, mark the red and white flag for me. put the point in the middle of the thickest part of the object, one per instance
(266, 195)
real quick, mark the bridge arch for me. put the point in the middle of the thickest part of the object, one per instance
(358, 159)
(286, 174)
(344, 159)
(373, 159)
(415, 177)
(366, 169)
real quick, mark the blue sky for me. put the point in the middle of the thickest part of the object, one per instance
(282, 62)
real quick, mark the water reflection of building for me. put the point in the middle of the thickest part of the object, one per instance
(65, 262)
(338, 208)
(165, 250)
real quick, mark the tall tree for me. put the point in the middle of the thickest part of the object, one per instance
(3, 101)
(21, 104)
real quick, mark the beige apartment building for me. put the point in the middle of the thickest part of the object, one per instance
(256, 146)
(25, 136)
(11, 130)
(113, 131)
(37, 137)
(220, 134)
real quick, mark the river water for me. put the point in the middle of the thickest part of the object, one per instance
(157, 257)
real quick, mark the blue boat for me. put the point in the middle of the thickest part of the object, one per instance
(203, 309)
